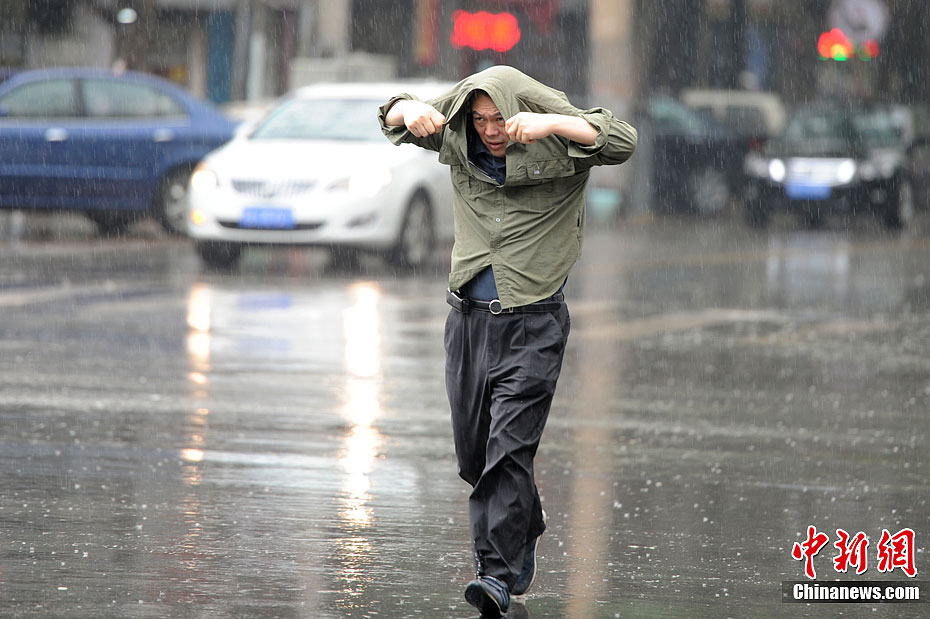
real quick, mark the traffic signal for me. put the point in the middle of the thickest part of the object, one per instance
(868, 50)
(483, 30)
(835, 45)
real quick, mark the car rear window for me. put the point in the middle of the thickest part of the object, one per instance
(322, 119)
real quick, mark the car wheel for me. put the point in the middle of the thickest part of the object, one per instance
(901, 207)
(170, 206)
(111, 223)
(416, 239)
(218, 254)
(709, 191)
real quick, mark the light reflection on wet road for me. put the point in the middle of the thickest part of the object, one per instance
(275, 442)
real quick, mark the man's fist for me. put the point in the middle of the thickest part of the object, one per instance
(422, 119)
(527, 127)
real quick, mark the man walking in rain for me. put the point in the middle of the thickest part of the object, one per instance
(520, 156)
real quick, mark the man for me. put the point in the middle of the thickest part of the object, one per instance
(520, 156)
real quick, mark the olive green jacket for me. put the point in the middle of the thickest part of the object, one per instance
(529, 229)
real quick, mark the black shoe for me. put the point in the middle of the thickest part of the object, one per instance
(528, 572)
(489, 595)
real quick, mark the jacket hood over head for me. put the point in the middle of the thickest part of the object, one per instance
(510, 89)
(502, 83)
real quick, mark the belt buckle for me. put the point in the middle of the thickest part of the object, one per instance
(495, 307)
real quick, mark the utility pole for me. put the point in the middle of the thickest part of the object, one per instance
(615, 84)
(242, 32)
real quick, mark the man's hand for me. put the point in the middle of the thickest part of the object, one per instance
(421, 119)
(527, 127)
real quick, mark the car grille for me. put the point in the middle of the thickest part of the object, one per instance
(232, 224)
(272, 189)
(809, 171)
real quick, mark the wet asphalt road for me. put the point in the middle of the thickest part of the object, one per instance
(275, 442)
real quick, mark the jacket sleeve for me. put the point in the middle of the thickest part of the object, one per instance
(616, 139)
(615, 142)
(400, 134)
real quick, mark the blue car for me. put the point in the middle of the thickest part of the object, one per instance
(113, 146)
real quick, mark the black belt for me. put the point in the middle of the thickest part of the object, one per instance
(494, 307)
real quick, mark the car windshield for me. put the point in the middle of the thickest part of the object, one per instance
(322, 119)
(875, 128)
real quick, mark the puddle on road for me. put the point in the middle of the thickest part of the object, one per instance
(278, 446)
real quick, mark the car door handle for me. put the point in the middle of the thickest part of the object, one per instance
(56, 134)
(163, 135)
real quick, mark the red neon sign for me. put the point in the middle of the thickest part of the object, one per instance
(483, 30)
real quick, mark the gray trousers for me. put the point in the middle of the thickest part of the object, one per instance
(501, 373)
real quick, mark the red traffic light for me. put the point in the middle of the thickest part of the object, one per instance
(483, 30)
(835, 45)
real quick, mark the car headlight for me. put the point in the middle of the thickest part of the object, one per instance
(204, 179)
(878, 166)
(756, 165)
(845, 171)
(363, 184)
(777, 170)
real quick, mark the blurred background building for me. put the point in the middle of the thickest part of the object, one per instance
(619, 49)
(616, 53)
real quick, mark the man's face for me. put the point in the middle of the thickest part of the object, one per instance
(489, 124)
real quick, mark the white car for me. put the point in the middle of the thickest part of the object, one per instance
(317, 171)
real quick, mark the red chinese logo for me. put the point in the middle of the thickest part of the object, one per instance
(894, 551)
(897, 551)
(808, 549)
(853, 553)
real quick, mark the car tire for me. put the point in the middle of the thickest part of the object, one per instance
(708, 191)
(901, 206)
(219, 254)
(416, 239)
(170, 207)
(110, 223)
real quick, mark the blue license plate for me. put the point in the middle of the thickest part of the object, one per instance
(268, 218)
(797, 191)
